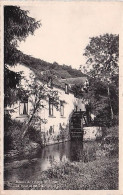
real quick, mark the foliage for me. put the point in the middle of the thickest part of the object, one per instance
(37, 93)
(61, 71)
(77, 89)
(17, 26)
(102, 55)
(13, 137)
(100, 101)
(11, 82)
(12, 134)
(7, 135)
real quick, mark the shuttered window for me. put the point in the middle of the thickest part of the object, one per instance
(61, 108)
(66, 89)
(50, 106)
(23, 107)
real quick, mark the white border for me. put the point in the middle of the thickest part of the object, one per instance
(60, 192)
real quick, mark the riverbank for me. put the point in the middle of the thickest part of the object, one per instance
(81, 176)
(94, 166)
(99, 175)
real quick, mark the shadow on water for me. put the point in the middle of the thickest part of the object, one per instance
(72, 151)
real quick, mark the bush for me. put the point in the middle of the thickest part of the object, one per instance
(35, 135)
(13, 135)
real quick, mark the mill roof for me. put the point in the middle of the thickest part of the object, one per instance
(74, 81)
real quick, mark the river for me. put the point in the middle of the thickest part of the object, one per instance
(72, 151)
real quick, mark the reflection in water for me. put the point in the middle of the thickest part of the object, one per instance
(63, 152)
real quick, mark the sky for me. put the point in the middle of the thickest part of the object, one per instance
(66, 28)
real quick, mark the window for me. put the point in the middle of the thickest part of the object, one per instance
(51, 106)
(61, 108)
(76, 107)
(66, 88)
(23, 108)
(49, 84)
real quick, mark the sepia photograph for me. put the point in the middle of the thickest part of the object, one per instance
(61, 96)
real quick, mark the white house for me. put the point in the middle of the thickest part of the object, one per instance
(56, 127)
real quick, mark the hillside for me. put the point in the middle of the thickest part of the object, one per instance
(62, 71)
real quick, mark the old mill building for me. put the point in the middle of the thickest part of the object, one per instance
(54, 125)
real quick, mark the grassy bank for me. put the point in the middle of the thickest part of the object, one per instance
(99, 175)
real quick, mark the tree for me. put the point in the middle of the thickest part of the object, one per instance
(99, 101)
(102, 55)
(37, 92)
(17, 26)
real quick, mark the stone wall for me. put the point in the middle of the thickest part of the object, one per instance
(52, 137)
(92, 133)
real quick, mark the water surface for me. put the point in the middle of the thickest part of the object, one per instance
(72, 151)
